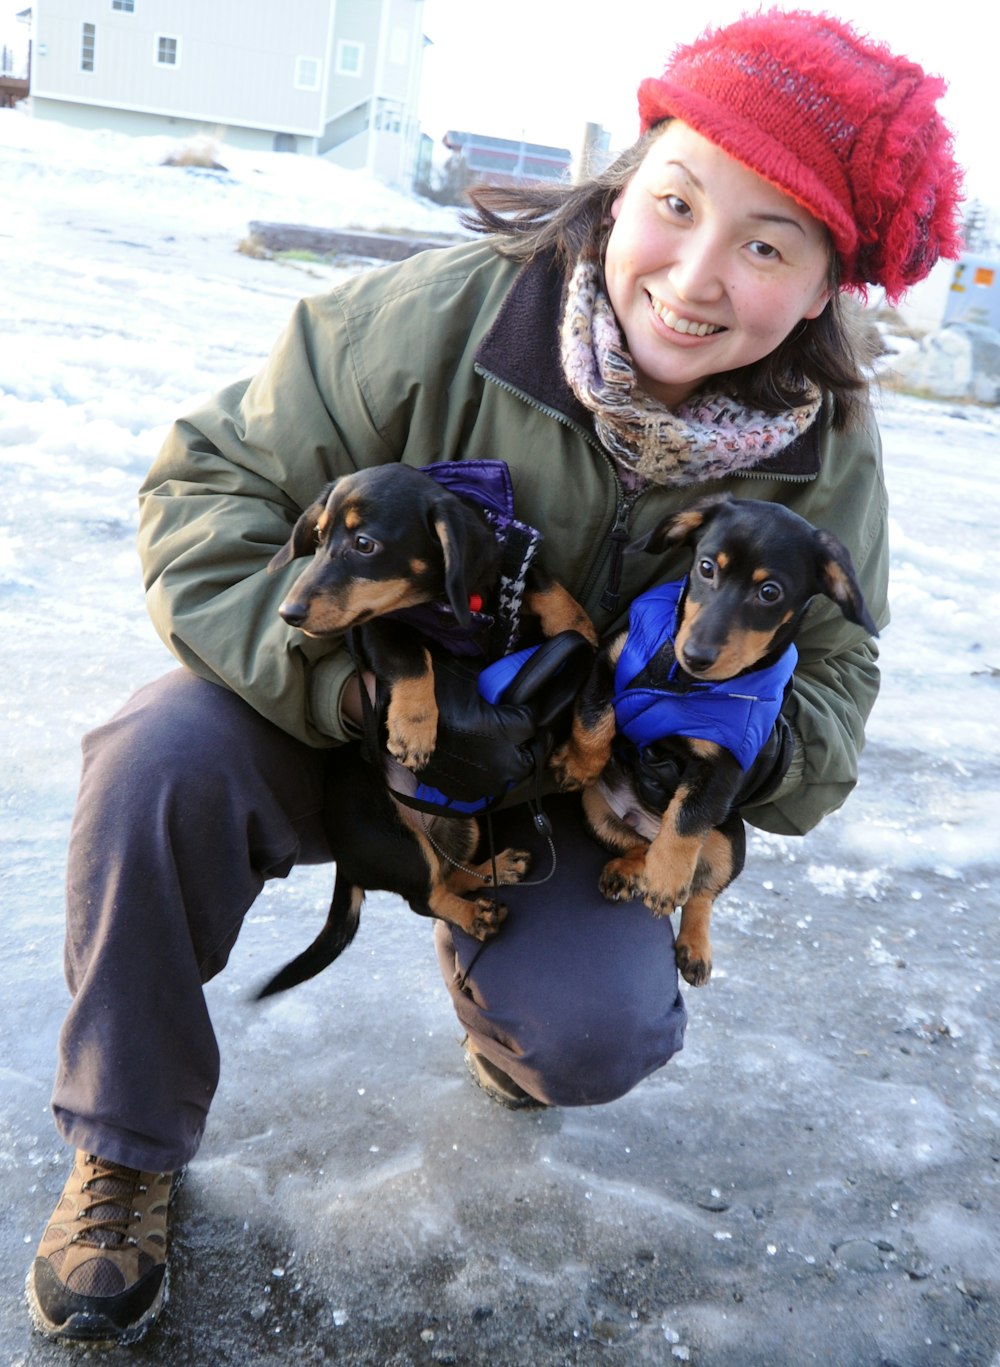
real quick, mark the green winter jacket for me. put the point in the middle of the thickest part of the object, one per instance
(453, 355)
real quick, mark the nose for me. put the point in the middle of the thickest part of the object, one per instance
(696, 659)
(696, 274)
(293, 613)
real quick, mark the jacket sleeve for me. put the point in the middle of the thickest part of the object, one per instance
(837, 679)
(221, 499)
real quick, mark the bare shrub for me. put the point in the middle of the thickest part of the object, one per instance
(201, 151)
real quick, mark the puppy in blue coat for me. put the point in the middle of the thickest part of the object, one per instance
(680, 722)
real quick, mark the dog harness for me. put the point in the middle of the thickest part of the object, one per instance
(494, 628)
(737, 714)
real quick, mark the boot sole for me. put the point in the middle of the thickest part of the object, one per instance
(91, 1329)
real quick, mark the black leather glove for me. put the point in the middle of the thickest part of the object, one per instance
(658, 772)
(486, 749)
(771, 765)
(656, 775)
(482, 748)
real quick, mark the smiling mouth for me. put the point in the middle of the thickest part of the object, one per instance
(686, 326)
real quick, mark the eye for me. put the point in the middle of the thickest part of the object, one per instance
(677, 206)
(770, 592)
(364, 545)
(764, 251)
(706, 569)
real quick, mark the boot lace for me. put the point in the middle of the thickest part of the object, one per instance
(111, 1212)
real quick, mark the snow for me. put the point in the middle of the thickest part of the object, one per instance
(355, 1198)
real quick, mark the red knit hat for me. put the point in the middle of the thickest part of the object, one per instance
(835, 120)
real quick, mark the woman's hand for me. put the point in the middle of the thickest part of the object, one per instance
(658, 773)
(483, 748)
(497, 726)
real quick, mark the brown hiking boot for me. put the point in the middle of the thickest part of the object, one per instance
(496, 1084)
(100, 1275)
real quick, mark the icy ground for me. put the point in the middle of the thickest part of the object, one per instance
(814, 1180)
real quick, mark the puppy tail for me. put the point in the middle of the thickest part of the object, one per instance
(338, 932)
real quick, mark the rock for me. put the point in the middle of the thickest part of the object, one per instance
(961, 361)
(285, 237)
(860, 1255)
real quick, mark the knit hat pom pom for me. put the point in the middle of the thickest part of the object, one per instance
(836, 121)
(910, 215)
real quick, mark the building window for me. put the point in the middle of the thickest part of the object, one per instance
(123, 6)
(306, 73)
(167, 50)
(388, 118)
(350, 57)
(87, 47)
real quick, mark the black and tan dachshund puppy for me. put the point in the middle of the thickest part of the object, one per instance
(384, 540)
(755, 568)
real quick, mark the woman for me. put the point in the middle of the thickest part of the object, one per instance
(672, 327)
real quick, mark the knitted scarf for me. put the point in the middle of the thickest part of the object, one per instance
(709, 436)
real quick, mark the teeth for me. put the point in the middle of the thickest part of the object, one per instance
(683, 325)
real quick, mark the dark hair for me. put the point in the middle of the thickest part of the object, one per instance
(834, 351)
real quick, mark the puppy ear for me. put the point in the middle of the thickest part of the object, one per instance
(680, 528)
(303, 538)
(469, 549)
(838, 580)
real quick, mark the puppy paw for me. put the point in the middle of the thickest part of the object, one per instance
(625, 880)
(619, 881)
(413, 751)
(486, 918)
(561, 770)
(573, 771)
(660, 901)
(695, 967)
(512, 865)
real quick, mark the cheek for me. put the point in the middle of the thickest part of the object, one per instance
(770, 314)
(629, 255)
(615, 268)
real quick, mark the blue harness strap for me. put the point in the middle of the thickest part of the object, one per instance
(737, 714)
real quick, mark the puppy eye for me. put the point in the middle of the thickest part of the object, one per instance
(770, 592)
(706, 569)
(364, 545)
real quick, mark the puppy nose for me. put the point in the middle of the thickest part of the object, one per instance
(293, 613)
(696, 659)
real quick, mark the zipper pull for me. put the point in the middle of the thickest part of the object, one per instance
(619, 537)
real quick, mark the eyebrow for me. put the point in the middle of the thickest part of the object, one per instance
(779, 218)
(757, 218)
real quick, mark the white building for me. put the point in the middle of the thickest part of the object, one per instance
(333, 78)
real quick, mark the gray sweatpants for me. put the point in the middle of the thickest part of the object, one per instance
(189, 801)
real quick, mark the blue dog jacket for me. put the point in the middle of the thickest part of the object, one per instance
(737, 714)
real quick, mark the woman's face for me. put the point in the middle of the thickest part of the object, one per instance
(708, 266)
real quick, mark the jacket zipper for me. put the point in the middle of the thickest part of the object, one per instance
(619, 536)
(785, 475)
(625, 503)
